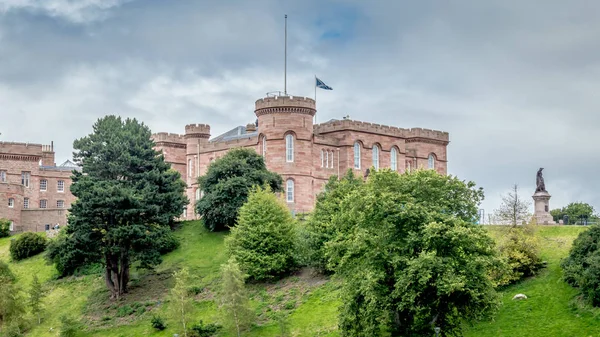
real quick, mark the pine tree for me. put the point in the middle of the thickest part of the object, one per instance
(180, 301)
(234, 301)
(36, 295)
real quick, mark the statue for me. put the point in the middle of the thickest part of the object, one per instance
(541, 187)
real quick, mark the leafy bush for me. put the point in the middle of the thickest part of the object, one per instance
(166, 241)
(519, 250)
(69, 327)
(4, 228)
(14, 330)
(27, 245)
(125, 310)
(204, 330)
(158, 323)
(70, 256)
(263, 240)
(194, 290)
(582, 266)
(226, 185)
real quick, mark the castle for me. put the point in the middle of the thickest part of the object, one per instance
(303, 153)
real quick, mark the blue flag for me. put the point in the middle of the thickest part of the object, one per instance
(322, 85)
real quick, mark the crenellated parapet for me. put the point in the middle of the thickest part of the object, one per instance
(351, 125)
(164, 137)
(197, 131)
(285, 104)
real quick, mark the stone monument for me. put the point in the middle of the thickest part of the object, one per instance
(541, 199)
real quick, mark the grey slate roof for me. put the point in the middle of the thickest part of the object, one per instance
(235, 133)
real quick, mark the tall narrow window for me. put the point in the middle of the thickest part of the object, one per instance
(331, 159)
(2, 176)
(431, 161)
(25, 176)
(197, 194)
(43, 185)
(322, 158)
(25, 203)
(11, 202)
(290, 190)
(289, 148)
(264, 146)
(408, 166)
(394, 159)
(61, 186)
(11, 227)
(190, 167)
(60, 204)
(376, 157)
(357, 155)
(43, 203)
(327, 159)
(185, 212)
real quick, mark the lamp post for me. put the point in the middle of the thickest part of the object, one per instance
(437, 330)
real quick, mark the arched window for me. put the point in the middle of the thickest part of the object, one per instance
(289, 148)
(289, 195)
(322, 158)
(431, 161)
(394, 159)
(264, 146)
(327, 159)
(376, 156)
(357, 155)
(331, 158)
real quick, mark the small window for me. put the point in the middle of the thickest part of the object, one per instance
(376, 157)
(357, 155)
(322, 158)
(46, 227)
(431, 161)
(43, 185)
(331, 158)
(25, 176)
(11, 227)
(11, 202)
(25, 203)
(408, 166)
(290, 190)
(289, 148)
(197, 194)
(2, 176)
(43, 203)
(327, 159)
(394, 159)
(60, 186)
(264, 146)
(60, 204)
(190, 168)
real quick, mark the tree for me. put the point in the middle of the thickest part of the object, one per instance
(582, 266)
(180, 302)
(520, 250)
(226, 185)
(126, 194)
(263, 242)
(36, 295)
(576, 211)
(513, 208)
(234, 300)
(11, 301)
(4, 228)
(410, 257)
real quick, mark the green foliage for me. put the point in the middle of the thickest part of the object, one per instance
(409, 257)
(14, 329)
(126, 195)
(11, 301)
(4, 228)
(181, 304)
(69, 256)
(204, 330)
(575, 211)
(237, 313)
(513, 209)
(226, 186)
(27, 245)
(36, 296)
(263, 240)
(125, 310)
(520, 250)
(319, 228)
(582, 266)
(69, 327)
(158, 323)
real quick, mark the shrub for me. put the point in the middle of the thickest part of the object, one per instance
(125, 311)
(204, 330)
(69, 256)
(4, 228)
(519, 250)
(263, 240)
(27, 245)
(69, 327)
(582, 266)
(158, 323)
(166, 242)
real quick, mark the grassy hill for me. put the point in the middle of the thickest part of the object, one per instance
(309, 301)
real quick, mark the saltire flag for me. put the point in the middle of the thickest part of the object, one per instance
(322, 85)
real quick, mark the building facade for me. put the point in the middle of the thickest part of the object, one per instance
(35, 193)
(303, 153)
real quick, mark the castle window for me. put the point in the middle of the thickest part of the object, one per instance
(11, 227)
(2, 176)
(190, 167)
(331, 157)
(326, 158)
(431, 161)
(11, 202)
(184, 212)
(47, 227)
(197, 194)
(61, 186)
(26, 203)
(376, 157)
(394, 159)
(289, 190)
(25, 176)
(357, 155)
(322, 158)
(43, 185)
(289, 148)
(408, 166)
(60, 204)
(43, 203)
(264, 146)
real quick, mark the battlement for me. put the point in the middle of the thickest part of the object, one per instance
(285, 104)
(348, 124)
(48, 148)
(197, 130)
(17, 148)
(168, 138)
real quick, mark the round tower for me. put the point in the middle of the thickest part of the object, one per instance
(196, 136)
(285, 131)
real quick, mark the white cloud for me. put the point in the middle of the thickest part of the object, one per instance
(76, 11)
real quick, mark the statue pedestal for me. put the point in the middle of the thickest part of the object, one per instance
(542, 208)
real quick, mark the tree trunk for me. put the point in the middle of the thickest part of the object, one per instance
(116, 274)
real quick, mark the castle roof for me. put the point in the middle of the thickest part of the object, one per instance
(235, 133)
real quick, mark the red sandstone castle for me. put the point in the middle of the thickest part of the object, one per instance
(303, 153)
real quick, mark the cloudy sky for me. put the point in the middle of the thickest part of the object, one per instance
(514, 82)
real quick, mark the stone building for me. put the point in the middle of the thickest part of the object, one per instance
(34, 192)
(303, 153)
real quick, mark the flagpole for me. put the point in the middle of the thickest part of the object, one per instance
(315, 83)
(285, 61)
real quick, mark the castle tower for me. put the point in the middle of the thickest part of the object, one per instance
(285, 136)
(196, 136)
(48, 155)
